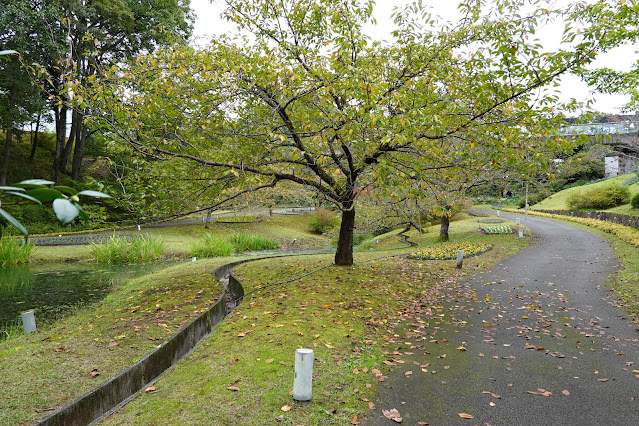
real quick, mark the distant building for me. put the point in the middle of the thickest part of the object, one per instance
(621, 164)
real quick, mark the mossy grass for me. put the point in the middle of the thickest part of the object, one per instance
(53, 366)
(14, 252)
(119, 250)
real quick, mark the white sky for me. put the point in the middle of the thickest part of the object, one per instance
(208, 24)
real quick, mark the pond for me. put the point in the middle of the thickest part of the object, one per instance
(51, 290)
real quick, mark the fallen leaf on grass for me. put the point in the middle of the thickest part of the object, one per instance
(465, 416)
(268, 361)
(150, 389)
(95, 372)
(371, 405)
(113, 344)
(494, 395)
(354, 420)
(233, 388)
(408, 373)
(422, 423)
(393, 415)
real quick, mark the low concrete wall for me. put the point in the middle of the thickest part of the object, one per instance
(622, 219)
(112, 393)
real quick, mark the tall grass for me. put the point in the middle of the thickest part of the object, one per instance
(243, 241)
(8, 331)
(14, 253)
(211, 246)
(119, 250)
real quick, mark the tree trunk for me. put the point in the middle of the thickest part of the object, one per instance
(9, 135)
(34, 145)
(208, 219)
(60, 113)
(68, 147)
(78, 152)
(344, 253)
(443, 230)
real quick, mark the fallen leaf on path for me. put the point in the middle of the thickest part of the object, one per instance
(392, 415)
(422, 423)
(465, 416)
(540, 392)
(408, 373)
(565, 392)
(354, 420)
(602, 380)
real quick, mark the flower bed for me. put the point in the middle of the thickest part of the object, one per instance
(497, 229)
(476, 213)
(490, 220)
(449, 251)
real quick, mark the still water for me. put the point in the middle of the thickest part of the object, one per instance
(52, 290)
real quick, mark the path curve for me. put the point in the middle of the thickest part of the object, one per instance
(543, 335)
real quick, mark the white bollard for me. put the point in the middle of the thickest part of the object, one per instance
(193, 259)
(139, 228)
(460, 258)
(521, 234)
(518, 221)
(28, 322)
(303, 383)
(498, 213)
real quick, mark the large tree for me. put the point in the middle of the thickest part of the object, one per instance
(309, 98)
(71, 39)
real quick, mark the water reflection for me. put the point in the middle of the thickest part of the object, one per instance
(51, 290)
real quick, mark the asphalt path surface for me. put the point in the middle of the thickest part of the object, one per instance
(536, 340)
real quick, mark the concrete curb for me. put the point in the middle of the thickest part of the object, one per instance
(100, 401)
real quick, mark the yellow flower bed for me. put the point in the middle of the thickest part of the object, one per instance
(625, 233)
(449, 251)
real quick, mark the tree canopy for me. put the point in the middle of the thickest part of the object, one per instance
(309, 98)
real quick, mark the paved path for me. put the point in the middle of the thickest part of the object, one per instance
(542, 322)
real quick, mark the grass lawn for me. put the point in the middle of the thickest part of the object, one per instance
(558, 201)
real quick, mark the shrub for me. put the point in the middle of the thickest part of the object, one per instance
(119, 250)
(635, 201)
(323, 220)
(14, 253)
(211, 246)
(602, 197)
(243, 241)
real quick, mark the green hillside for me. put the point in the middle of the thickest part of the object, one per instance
(557, 201)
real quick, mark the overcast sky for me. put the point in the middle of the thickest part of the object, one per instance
(208, 24)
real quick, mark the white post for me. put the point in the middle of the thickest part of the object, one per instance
(521, 234)
(303, 384)
(518, 221)
(139, 228)
(498, 213)
(28, 322)
(460, 258)
(193, 259)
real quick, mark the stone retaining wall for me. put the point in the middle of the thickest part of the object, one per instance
(622, 219)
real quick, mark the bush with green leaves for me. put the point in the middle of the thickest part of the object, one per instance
(121, 250)
(635, 201)
(12, 252)
(599, 197)
(322, 221)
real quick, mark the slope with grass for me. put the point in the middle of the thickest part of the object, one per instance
(558, 201)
